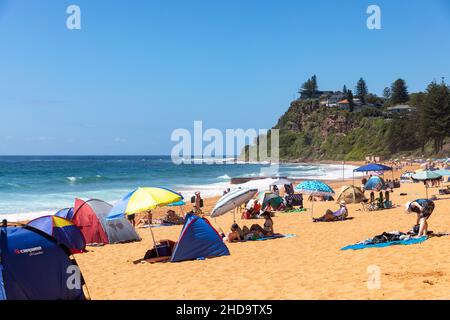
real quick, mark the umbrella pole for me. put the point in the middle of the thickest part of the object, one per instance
(153, 236)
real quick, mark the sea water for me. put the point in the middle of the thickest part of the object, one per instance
(32, 186)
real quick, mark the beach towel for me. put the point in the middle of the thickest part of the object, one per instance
(294, 210)
(385, 244)
(275, 236)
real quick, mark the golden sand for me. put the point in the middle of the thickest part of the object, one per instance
(308, 266)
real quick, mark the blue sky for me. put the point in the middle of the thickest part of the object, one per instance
(139, 69)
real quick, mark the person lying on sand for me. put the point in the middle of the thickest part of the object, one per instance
(338, 215)
(423, 208)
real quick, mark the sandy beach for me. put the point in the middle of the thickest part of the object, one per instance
(307, 266)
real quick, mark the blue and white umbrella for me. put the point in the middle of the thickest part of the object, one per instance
(314, 188)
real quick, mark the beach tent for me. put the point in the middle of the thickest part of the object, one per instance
(66, 213)
(63, 230)
(34, 267)
(375, 183)
(90, 217)
(198, 239)
(269, 197)
(351, 194)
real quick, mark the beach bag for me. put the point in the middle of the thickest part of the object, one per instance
(201, 203)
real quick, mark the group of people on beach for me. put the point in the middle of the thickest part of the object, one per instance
(237, 234)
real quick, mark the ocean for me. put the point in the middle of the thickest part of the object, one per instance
(32, 186)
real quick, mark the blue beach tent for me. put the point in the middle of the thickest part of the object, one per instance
(375, 183)
(66, 213)
(198, 239)
(34, 267)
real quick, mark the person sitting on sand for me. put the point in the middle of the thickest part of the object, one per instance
(132, 219)
(235, 235)
(172, 218)
(146, 220)
(338, 215)
(424, 208)
(256, 231)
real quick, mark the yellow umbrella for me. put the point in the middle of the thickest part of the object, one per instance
(144, 199)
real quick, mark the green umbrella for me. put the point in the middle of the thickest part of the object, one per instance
(427, 176)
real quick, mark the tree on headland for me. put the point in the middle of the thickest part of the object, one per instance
(351, 105)
(361, 90)
(436, 114)
(387, 93)
(309, 88)
(344, 89)
(399, 92)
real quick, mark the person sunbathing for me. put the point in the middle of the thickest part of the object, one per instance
(235, 234)
(338, 215)
(256, 231)
(172, 218)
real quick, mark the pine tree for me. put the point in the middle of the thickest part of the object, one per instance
(436, 114)
(361, 90)
(309, 88)
(350, 100)
(399, 92)
(387, 93)
(344, 90)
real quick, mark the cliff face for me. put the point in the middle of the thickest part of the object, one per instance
(310, 132)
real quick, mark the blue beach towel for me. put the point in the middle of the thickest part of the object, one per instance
(386, 244)
(275, 236)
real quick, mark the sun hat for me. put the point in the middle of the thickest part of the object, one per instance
(407, 206)
(342, 203)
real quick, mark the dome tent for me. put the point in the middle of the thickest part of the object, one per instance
(351, 194)
(63, 230)
(198, 239)
(34, 267)
(90, 217)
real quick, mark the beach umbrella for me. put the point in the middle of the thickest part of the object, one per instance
(177, 204)
(443, 172)
(314, 188)
(372, 167)
(63, 230)
(426, 176)
(232, 200)
(281, 182)
(144, 199)
(375, 183)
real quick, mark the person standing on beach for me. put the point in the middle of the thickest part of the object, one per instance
(423, 208)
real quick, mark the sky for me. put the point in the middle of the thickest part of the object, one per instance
(139, 69)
